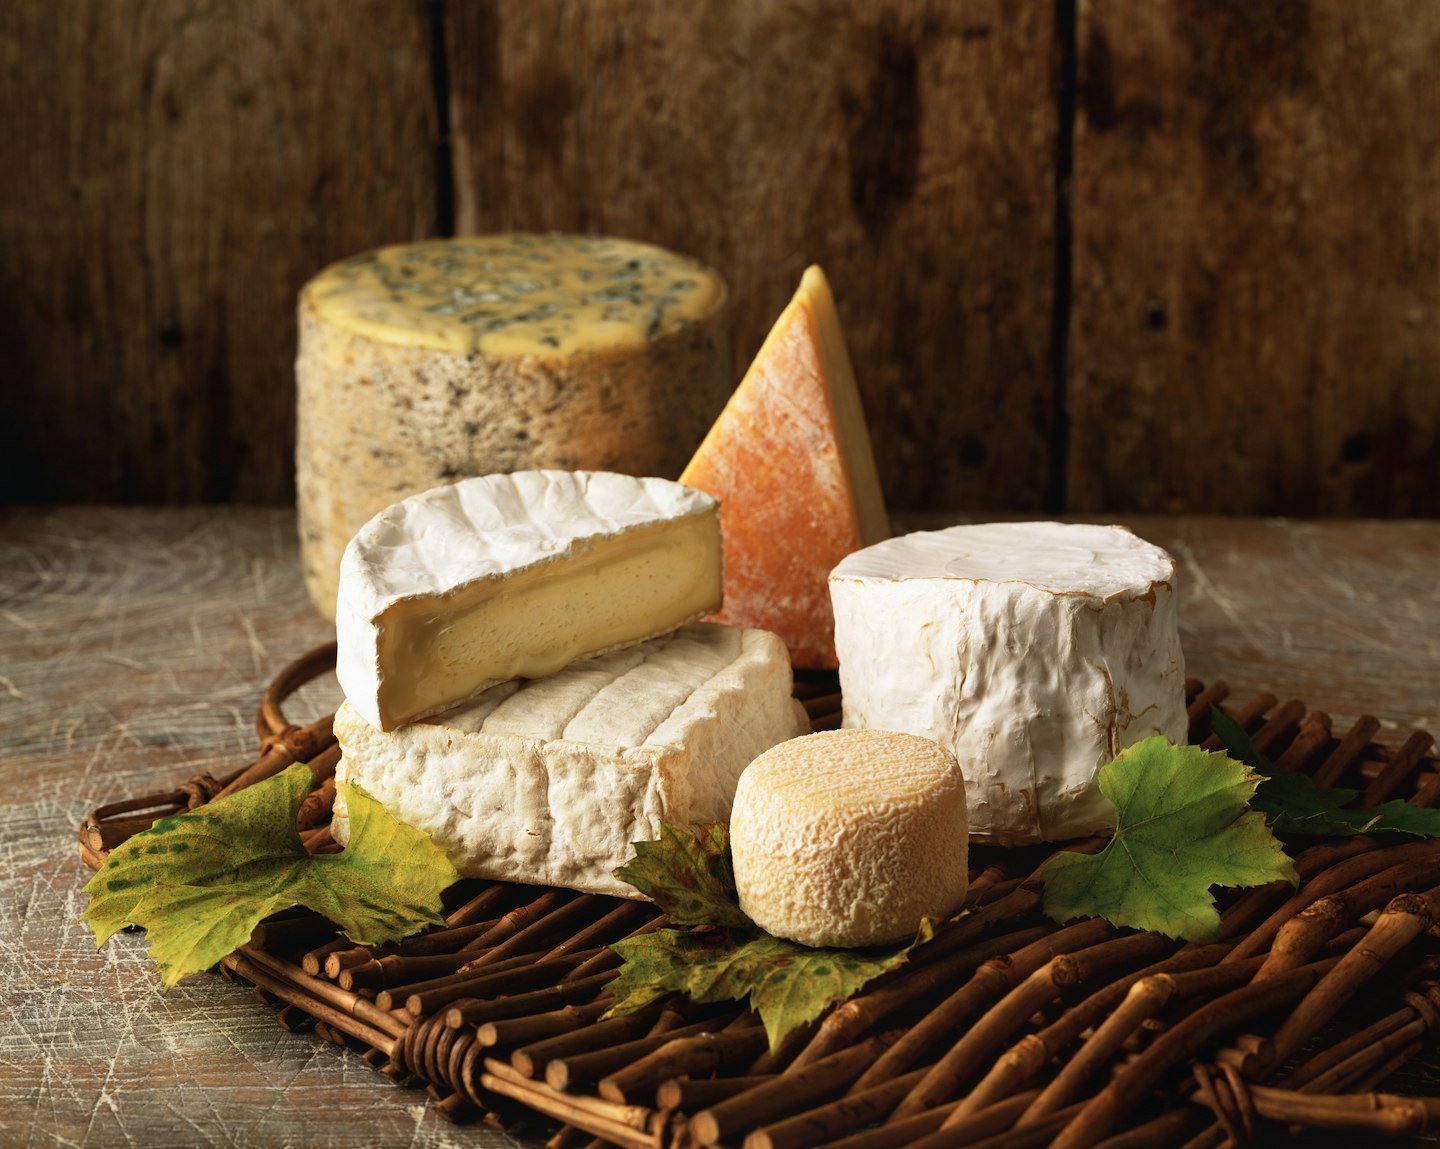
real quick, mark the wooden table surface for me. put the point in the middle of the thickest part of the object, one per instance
(134, 646)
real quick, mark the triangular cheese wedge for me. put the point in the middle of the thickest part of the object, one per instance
(790, 461)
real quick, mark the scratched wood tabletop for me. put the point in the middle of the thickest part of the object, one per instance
(134, 645)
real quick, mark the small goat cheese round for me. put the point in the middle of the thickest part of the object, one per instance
(850, 837)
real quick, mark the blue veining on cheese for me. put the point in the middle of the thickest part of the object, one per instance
(517, 294)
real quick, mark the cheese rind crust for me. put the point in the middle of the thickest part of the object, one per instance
(396, 399)
(508, 576)
(1035, 652)
(850, 837)
(550, 781)
(790, 460)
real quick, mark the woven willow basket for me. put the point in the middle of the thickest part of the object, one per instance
(1005, 1030)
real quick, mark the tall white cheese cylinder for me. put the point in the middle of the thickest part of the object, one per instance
(1034, 652)
(427, 362)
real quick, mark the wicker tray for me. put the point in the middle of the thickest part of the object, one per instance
(1006, 1030)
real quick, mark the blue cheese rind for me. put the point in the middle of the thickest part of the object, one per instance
(517, 294)
(402, 386)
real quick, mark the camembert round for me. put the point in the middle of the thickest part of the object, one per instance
(426, 362)
(1035, 652)
(850, 837)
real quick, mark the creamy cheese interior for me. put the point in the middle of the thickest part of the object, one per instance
(517, 294)
(437, 650)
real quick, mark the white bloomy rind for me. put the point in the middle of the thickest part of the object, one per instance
(850, 837)
(1035, 652)
(508, 576)
(550, 781)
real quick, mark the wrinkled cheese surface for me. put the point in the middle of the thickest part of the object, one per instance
(1035, 652)
(550, 780)
(516, 294)
(509, 576)
(850, 837)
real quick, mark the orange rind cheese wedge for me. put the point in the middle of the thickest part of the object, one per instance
(790, 461)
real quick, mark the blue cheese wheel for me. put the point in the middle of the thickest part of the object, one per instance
(427, 362)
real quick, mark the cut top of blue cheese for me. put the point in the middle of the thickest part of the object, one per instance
(516, 294)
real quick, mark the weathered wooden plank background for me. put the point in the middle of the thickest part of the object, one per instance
(173, 172)
(1094, 256)
(1256, 301)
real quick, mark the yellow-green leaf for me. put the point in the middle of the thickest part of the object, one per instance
(786, 983)
(688, 875)
(1183, 826)
(199, 883)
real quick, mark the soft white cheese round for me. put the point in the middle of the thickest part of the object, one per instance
(850, 837)
(1035, 652)
(551, 780)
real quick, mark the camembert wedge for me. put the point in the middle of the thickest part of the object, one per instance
(515, 576)
(790, 460)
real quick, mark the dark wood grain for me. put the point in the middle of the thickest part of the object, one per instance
(907, 146)
(1248, 283)
(174, 171)
(1257, 232)
(134, 647)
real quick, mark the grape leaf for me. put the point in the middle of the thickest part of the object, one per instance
(1183, 825)
(731, 959)
(1293, 804)
(786, 983)
(1394, 817)
(688, 875)
(199, 883)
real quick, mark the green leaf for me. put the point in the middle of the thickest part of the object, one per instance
(1293, 804)
(1182, 826)
(199, 883)
(786, 983)
(688, 875)
(1396, 817)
